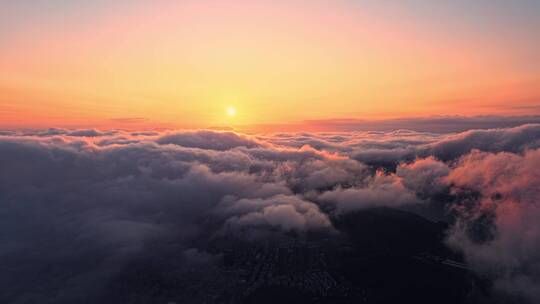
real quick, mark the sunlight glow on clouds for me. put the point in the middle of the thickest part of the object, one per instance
(101, 196)
(136, 135)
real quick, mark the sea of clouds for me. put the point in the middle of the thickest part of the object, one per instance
(78, 205)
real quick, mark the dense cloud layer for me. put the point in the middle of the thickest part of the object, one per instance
(79, 205)
(440, 124)
(507, 212)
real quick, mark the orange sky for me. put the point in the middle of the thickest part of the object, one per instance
(182, 63)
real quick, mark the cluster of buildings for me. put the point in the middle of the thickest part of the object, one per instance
(292, 265)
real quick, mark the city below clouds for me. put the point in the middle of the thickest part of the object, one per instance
(262, 152)
(81, 207)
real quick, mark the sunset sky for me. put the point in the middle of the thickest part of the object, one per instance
(197, 64)
(270, 151)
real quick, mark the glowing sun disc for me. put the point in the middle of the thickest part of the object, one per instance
(231, 111)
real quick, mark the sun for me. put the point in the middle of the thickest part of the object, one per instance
(231, 111)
